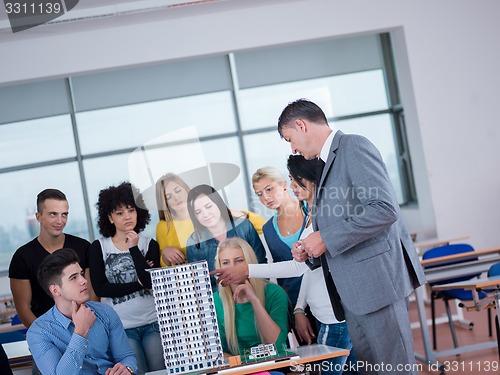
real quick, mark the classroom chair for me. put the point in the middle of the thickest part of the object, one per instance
(450, 294)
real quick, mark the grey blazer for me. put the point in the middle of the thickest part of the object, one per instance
(369, 250)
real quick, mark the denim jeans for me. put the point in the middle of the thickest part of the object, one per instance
(338, 336)
(146, 344)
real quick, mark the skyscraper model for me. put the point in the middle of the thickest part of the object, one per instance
(186, 315)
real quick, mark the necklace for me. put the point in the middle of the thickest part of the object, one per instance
(119, 243)
(291, 221)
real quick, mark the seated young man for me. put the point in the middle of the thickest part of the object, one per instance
(76, 336)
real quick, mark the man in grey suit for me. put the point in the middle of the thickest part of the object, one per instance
(361, 237)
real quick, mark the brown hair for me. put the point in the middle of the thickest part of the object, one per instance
(164, 211)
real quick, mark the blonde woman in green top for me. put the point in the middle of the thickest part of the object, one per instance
(253, 312)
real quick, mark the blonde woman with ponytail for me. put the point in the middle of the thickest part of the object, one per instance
(253, 312)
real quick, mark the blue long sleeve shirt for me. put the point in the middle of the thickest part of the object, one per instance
(56, 349)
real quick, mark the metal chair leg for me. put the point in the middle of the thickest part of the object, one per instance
(433, 315)
(498, 333)
(450, 321)
(490, 328)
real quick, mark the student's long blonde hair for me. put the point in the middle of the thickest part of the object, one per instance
(226, 294)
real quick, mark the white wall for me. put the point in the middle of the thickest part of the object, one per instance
(448, 59)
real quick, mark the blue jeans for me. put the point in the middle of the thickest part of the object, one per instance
(336, 335)
(146, 344)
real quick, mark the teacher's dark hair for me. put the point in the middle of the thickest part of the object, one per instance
(301, 109)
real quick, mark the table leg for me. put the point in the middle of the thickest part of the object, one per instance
(422, 316)
(497, 319)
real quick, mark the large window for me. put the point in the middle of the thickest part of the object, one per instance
(343, 104)
(82, 134)
(128, 126)
(337, 95)
(34, 141)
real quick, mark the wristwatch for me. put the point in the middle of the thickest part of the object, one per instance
(130, 370)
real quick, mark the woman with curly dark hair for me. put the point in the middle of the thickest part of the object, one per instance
(118, 263)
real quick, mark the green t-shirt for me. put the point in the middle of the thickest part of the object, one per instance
(246, 330)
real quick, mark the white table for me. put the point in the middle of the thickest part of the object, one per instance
(18, 353)
(305, 354)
